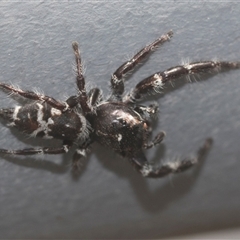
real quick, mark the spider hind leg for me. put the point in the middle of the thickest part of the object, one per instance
(34, 151)
(147, 170)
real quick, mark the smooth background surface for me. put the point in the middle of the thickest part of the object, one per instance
(39, 196)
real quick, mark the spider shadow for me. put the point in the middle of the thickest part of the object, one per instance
(153, 200)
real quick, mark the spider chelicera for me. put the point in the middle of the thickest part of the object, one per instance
(118, 122)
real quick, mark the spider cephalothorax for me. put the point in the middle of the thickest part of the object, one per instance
(120, 127)
(118, 122)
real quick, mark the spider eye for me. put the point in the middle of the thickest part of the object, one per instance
(115, 123)
(123, 122)
(119, 123)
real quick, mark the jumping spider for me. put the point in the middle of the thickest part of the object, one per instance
(118, 122)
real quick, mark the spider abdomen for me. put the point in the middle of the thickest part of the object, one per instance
(41, 120)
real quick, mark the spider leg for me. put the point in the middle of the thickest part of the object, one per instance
(141, 164)
(33, 151)
(154, 83)
(117, 82)
(79, 154)
(34, 96)
(76, 161)
(80, 81)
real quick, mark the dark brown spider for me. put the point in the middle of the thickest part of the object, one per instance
(118, 122)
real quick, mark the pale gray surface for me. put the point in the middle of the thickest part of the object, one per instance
(110, 200)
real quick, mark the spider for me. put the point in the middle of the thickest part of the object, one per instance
(118, 122)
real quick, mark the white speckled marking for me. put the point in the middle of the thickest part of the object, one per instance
(146, 170)
(50, 121)
(81, 152)
(42, 125)
(127, 117)
(65, 147)
(115, 79)
(157, 84)
(15, 113)
(55, 111)
(119, 137)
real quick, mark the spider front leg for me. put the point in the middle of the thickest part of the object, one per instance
(117, 82)
(154, 83)
(141, 164)
(34, 96)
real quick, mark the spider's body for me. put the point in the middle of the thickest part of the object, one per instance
(118, 122)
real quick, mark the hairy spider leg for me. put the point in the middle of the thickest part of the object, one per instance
(34, 96)
(147, 170)
(34, 151)
(117, 82)
(154, 83)
(80, 81)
